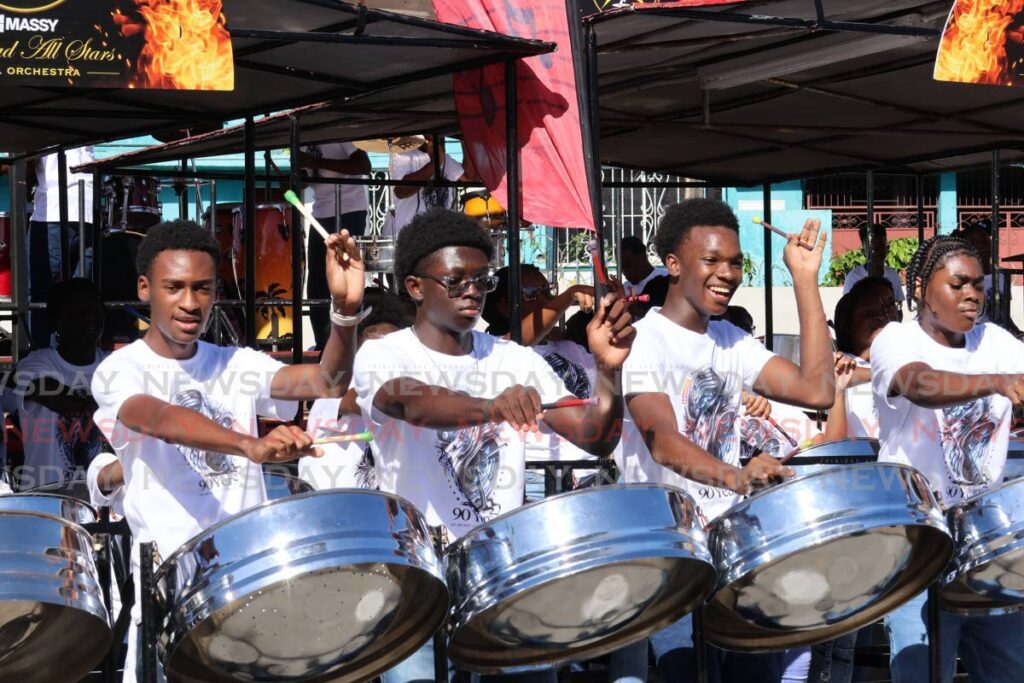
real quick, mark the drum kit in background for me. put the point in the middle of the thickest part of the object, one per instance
(343, 584)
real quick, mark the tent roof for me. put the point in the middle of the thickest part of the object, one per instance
(765, 90)
(318, 50)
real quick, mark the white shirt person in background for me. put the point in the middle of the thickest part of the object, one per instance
(944, 387)
(55, 402)
(418, 165)
(880, 245)
(181, 414)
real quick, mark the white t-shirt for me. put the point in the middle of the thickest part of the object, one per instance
(578, 372)
(174, 492)
(704, 376)
(343, 465)
(861, 415)
(458, 478)
(56, 449)
(858, 273)
(46, 201)
(353, 197)
(635, 288)
(961, 449)
(405, 163)
(113, 500)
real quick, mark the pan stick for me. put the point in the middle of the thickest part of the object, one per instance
(294, 200)
(570, 403)
(768, 226)
(345, 438)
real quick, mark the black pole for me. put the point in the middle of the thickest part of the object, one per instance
(597, 207)
(934, 636)
(769, 322)
(997, 295)
(920, 210)
(147, 646)
(62, 198)
(103, 567)
(298, 244)
(182, 189)
(700, 648)
(249, 232)
(512, 210)
(97, 230)
(869, 178)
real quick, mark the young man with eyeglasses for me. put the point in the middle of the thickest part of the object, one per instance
(452, 409)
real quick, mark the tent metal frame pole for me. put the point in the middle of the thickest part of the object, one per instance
(18, 187)
(97, 231)
(249, 232)
(869, 240)
(62, 197)
(515, 281)
(816, 24)
(298, 243)
(182, 191)
(920, 209)
(769, 322)
(596, 182)
(997, 295)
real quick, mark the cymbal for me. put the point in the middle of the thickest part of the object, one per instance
(403, 143)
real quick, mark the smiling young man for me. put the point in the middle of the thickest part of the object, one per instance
(684, 381)
(449, 405)
(181, 414)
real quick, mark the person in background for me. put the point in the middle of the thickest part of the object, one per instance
(640, 277)
(44, 243)
(418, 164)
(979, 235)
(351, 465)
(880, 245)
(541, 304)
(944, 387)
(332, 160)
(55, 402)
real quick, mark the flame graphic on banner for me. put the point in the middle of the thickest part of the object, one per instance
(974, 43)
(187, 45)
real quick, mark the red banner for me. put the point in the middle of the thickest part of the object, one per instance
(555, 190)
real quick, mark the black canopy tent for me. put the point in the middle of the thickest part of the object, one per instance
(757, 92)
(321, 50)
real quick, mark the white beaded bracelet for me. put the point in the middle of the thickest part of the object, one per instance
(349, 320)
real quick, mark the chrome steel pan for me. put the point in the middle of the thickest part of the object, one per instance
(283, 484)
(53, 623)
(986, 575)
(822, 555)
(336, 585)
(71, 509)
(575, 575)
(832, 454)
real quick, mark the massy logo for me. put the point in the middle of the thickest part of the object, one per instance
(35, 24)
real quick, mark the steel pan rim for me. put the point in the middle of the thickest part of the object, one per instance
(476, 531)
(47, 515)
(996, 610)
(970, 507)
(991, 490)
(963, 568)
(43, 494)
(191, 543)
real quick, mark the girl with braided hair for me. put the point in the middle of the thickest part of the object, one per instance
(944, 386)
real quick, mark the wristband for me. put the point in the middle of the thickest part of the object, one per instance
(349, 320)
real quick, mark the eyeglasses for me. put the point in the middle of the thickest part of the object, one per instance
(483, 283)
(533, 293)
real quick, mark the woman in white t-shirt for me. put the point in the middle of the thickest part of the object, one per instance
(944, 387)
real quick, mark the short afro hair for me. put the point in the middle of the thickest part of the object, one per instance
(176, 235)
(431, 231)
(632, 244)
(64, 292)
(680, 218)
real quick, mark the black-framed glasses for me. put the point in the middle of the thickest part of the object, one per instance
(548, 291)
(458, 287)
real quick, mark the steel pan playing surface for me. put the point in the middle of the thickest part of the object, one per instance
(574, 576)
(823, 555)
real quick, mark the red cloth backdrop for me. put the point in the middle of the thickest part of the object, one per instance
(553, 170)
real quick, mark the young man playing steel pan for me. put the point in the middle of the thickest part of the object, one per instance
(453, 408)
(181, 414)
(684, 380)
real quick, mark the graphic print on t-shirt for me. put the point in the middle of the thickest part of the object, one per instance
(214, 468)
(572, 375)
(758, 436)
(366, 472)
(471, 459)
(967, 429)
(79, 440)
(709, 414)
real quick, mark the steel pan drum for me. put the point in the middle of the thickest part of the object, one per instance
(987, 573)
(831, 454)
(823, 555)
(333, 585)
(283, 484)
(575, 575)
(53, 623)
(378, 253)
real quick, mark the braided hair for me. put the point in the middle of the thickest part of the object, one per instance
(928, 258)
